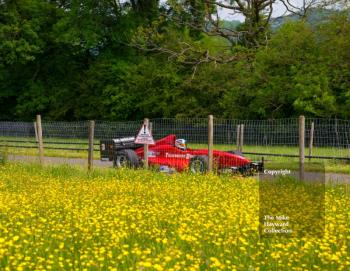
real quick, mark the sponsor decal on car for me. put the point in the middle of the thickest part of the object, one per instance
(178, 155)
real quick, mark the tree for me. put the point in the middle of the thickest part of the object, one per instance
(21, 42)
(287, 78)
(335, 53)
(306, 6)
(71, 59)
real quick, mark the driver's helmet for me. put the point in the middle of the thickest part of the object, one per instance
(180, 143)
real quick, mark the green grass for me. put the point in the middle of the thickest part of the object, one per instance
(3, 155)
(58, 143)
(330, 165)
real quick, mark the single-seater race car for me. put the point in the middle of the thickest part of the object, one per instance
(173, 153)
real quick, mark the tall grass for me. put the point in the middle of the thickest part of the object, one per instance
(65, 218)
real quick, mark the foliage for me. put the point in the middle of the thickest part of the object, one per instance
(290, 76)
(72, 60)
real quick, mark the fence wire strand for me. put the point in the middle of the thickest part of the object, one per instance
(274, 138)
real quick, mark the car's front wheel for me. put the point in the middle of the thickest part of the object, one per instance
(199, 164)
(126, 158)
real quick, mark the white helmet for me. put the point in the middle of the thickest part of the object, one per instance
(180, 143)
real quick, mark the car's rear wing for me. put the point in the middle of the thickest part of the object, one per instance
(109, 147)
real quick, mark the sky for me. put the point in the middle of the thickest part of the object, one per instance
(278, 10)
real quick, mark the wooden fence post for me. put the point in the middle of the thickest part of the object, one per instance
(91, 145)
(311, 143)
(241, 138)
(301, 146)
(36, 132)
(145, 146)
(210, 142)
(238, 133)
(40, 139)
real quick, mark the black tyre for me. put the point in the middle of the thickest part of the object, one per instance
(126, 158)
(199, 164)
(246, 171)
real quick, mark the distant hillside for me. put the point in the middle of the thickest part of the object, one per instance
(231, 24)
(314, 17)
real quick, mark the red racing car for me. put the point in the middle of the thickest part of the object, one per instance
(173, 154)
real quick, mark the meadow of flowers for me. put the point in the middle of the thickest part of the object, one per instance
(62, 218)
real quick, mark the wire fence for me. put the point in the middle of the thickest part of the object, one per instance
(273, 139)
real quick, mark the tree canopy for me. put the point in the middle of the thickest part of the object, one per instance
(87, 59)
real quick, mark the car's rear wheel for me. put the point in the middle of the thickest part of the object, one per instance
(246, 170)
(199, 164)
(126, 158)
